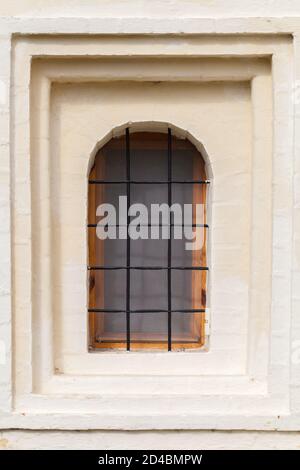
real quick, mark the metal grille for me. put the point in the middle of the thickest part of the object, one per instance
(128, 267)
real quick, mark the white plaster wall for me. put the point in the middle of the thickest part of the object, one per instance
(109, 440)
(153, 9)
(166, 14)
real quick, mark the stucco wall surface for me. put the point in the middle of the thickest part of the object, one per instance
(144, 8)
(204, 440)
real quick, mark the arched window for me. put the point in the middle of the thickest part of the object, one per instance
(147, 284)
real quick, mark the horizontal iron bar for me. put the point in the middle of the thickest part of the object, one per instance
(110, 310)
(148, 182)
(148, 225)
(146, 268)
(144, 341)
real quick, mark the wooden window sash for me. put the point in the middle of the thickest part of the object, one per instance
(196, 338)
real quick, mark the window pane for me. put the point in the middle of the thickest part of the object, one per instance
(111, 161)
(187, 289)
(105, 194)
(149, 156)
(110, 289)
(107, 252)
(149, 252)
(187, 327)
(183, 154)
(114, 252)
(183, 193)
(148, 194)
(148, 290)
(109, 193)
(180, 255)
(110, 327)
(149, 327)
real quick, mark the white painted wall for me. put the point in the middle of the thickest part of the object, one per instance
(153, 9)
(263, 385)
(135, 440)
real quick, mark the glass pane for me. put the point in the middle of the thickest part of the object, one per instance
(110, 289)
(183, 256)
(149, 156)
(148, 290)
(114, 252)
(148, 194)
(149, 327)
(180, 255)
(109, 194)
(183, 193)
(110, 327)
(106, 194)
(183, 154)
(149, 252)
(111, 160)
(188, 289)
(109, 252)
(187, 328)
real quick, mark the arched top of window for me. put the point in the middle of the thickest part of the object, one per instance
(146, 289)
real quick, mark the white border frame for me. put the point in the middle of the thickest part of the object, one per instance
(281, 278)
(218, 362)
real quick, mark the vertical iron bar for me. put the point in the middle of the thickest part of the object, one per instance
(169, 240)
(128, 243)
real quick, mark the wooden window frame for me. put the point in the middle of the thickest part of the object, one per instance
(199, 258)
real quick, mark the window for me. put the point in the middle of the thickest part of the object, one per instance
(146, 289)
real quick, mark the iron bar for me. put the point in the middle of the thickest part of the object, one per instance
(169, 241)
(128, 241)
(148, 182)
(161, 310)
(146, 268)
